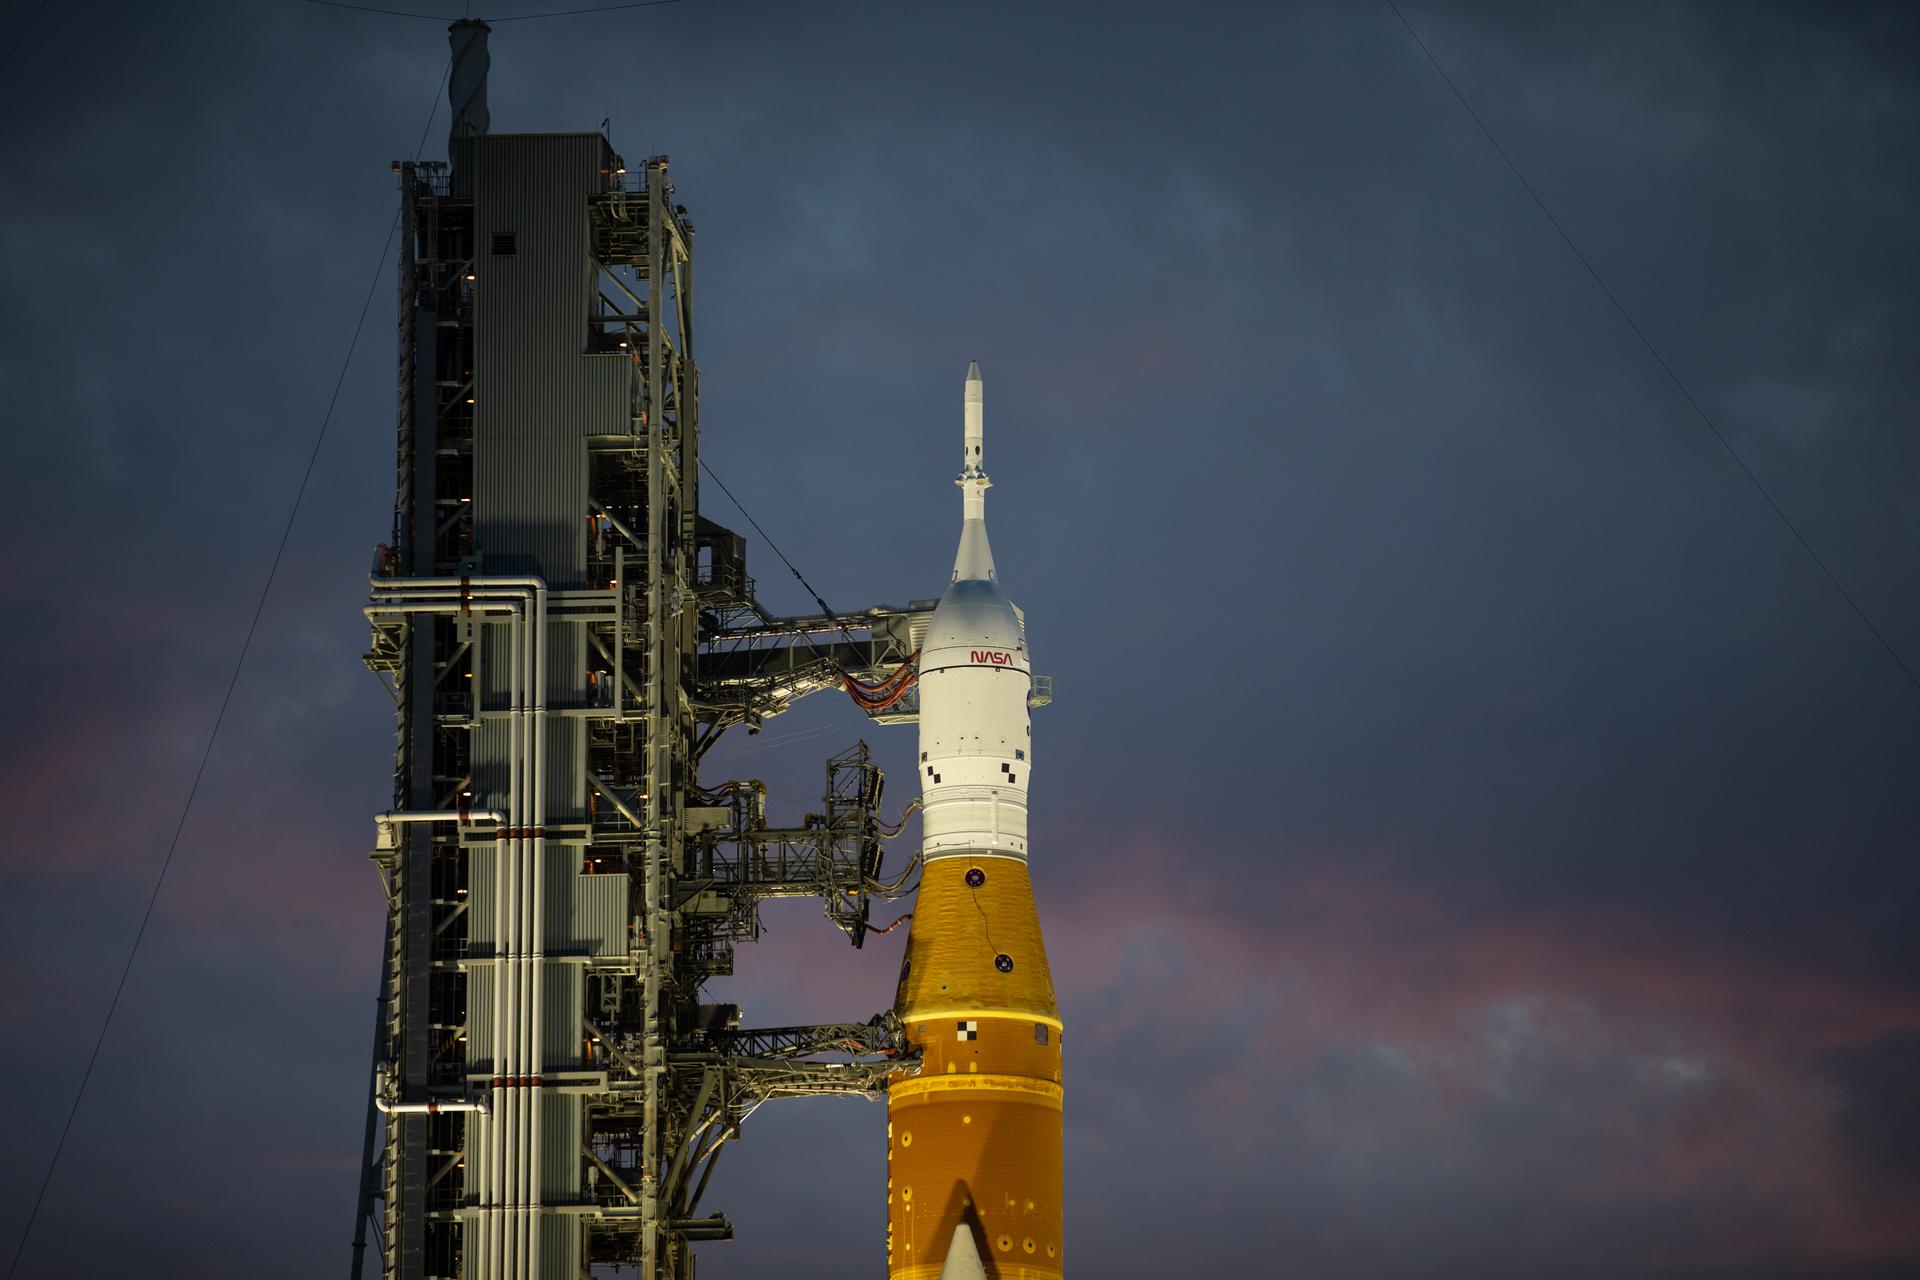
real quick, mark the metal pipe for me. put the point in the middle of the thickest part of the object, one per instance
(632, 1196)
(510, 974)
(503, 967)
(523, 1168)
(617, 803)
(511, 596)
(619, 629)
(500, 1127)
(477, 675)
(427, 1108)
(509, 1235)
(429, 605)
(537, 946)
(496, 1138)
(462, 816)
(537, 929)
(509, 1157)
(614, 520)
(470, 581)
(612, 1051)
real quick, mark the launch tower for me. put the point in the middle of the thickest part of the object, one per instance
(566, 636)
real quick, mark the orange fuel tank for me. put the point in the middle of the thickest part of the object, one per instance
(974, 1139)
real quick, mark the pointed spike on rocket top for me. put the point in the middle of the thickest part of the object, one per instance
(974, 458)
(975, 558)
(963, 1257)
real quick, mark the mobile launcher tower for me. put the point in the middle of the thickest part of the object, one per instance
(566, 637)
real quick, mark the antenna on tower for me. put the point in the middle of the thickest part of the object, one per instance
(467, 80)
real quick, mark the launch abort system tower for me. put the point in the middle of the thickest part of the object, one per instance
(566, 636)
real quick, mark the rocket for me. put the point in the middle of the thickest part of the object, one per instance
(974, 1157)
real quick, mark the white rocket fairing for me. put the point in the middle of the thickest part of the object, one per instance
(976, 738)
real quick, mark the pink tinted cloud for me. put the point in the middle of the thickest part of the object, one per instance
(1683, 1075)
(1361, 957)
(101, 744)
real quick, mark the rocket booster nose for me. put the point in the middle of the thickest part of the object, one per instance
(963, 1257)
(973, 374)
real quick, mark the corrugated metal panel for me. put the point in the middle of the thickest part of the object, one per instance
(561, 1238)
(587, 915)
(566, 742)
(537, 397)
(488, 763)
(564, 993)
(562, 1235)
(479, 1017)
(481, 862)
(584, 914)
(566, 763)
(560, 1159)
(566, 736)
(522, 487)
(537, 393)
(564, 996)
(481, 1130)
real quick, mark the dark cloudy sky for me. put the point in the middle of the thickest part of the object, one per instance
(1474, 838)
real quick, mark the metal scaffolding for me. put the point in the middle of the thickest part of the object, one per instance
(565, 638)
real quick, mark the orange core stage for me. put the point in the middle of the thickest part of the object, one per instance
(974, 1138)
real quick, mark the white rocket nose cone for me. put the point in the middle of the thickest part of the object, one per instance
(963, 1257)
(973, 371)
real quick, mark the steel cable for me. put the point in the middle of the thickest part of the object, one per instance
(226, 701)
(1659, 359)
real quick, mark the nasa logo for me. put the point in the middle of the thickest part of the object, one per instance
(993, 657)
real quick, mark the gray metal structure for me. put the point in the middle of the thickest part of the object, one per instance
(566, 637)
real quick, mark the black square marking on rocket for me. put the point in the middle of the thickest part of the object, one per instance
(936, 777)
(969, 1030)
(1005, 767)
(1039, 1033)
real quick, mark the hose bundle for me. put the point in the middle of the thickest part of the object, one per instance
(879, 695)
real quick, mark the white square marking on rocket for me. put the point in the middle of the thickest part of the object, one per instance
(969, 1030)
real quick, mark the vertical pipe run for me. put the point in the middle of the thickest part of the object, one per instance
(507, 1186)
(536, 923)
(504, 950)
(619, 630)
(502, 946)
(517, 1163)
